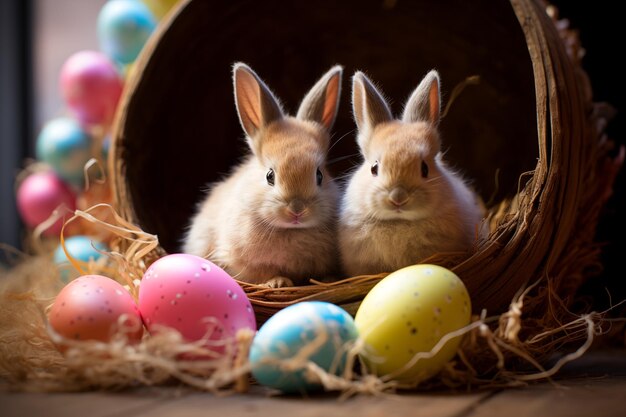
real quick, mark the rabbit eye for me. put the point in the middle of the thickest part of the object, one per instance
(270, 177)
(319, 177)
(375, 169)
(424, 169)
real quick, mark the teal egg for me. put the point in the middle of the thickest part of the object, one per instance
(124, 26)
(82, 248)
(290, 330)
(66, 146)
(106, 148)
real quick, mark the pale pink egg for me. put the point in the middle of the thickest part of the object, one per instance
(90, 307)
(39, 195)
(195, 297)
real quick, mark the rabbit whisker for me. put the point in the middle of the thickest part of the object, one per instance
(341, 158)
(341, 138)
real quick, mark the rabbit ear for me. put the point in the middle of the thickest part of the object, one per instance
(368, 104)
(322, 101)
(256, 104)
(425, 103)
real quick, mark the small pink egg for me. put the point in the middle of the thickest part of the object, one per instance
(195, 297)
(39, 195)
(91, 87)
(90, 307)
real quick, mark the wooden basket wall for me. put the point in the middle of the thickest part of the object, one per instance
(177, 129)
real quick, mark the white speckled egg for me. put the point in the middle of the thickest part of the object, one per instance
(408, 312)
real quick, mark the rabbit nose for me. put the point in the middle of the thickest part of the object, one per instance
(296, 207)
(398, 196)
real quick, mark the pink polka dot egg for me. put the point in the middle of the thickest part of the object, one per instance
(195, 297)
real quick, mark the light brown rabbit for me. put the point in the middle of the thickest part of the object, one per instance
(273, 220)
(403, 203)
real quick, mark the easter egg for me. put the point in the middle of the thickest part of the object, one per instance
(322, 327)
(124, 26)
(39, 195)
(94, 307)
(81, 248)
(106, 148)
(91, 86)
(195, 297)
(160, 7)
(129, 71)
(66, 146)
(408, 312)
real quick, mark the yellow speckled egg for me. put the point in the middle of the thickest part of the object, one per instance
(408, 312)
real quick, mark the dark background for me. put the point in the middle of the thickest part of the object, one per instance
(598, 22)
(16, 108)
(599, 26)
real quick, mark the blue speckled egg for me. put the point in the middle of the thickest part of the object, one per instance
(66, 146)
(288, 332)
(82, 248)
(124, 26)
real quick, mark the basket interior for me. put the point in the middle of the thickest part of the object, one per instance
(180, 132)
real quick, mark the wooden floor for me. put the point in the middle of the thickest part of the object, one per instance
(593, 387)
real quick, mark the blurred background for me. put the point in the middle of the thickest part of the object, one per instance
(37, 36)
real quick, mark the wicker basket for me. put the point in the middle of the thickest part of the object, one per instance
(177, 129)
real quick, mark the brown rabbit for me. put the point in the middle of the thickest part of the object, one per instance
(273, 220)
(403, 203)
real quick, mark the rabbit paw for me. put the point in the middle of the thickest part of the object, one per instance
(278, 282)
